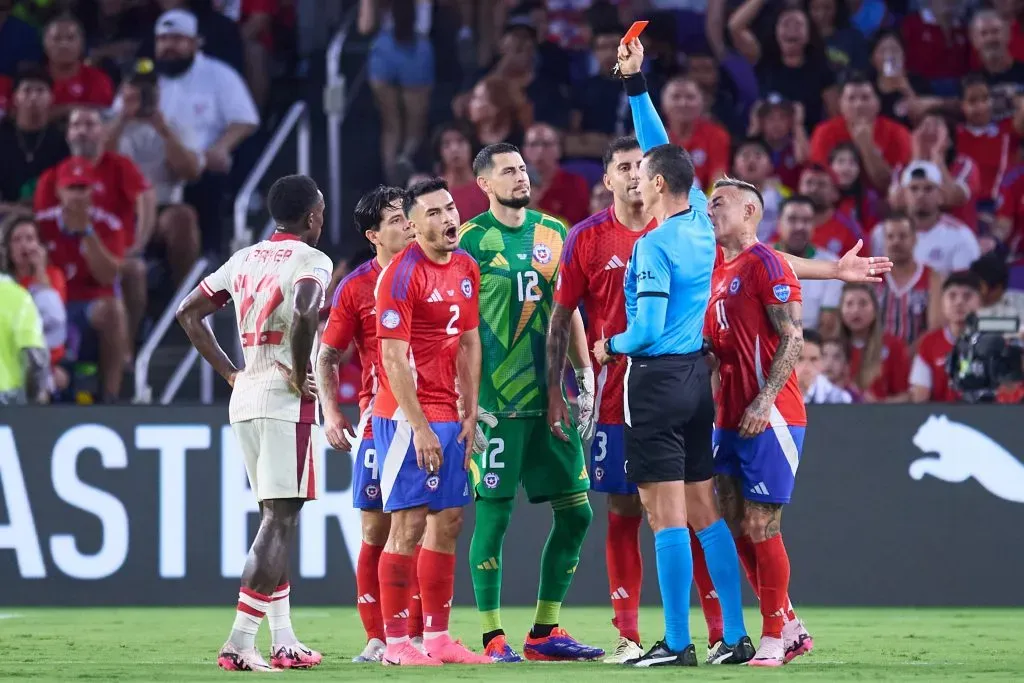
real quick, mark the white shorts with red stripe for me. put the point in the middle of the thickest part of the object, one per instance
(279, 457)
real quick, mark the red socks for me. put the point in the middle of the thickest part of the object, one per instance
(437, 585)
(625, 572)
(773, 584)
(748, 558)
(396, 575)
(368, 588)
(415, 602)
(709, 603)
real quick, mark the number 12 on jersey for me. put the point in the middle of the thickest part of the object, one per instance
(527, 281)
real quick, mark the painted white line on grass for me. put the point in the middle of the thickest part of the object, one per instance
(8, 615)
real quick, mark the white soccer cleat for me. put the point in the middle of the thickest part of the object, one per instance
(230, 658)
(417, 642)
(771, 652)
(372, 653)
(797, 639)
(624, 651)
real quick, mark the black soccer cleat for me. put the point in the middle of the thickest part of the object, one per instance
(660, 655)
(740, 653)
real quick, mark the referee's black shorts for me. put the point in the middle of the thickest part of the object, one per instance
(670, 415)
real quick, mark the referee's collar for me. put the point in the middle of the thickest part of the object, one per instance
(681, 213)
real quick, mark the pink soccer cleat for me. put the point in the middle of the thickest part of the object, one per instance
(770, 652)
(405, 654)
(231, 658)
(797, 639)
(444, 649)
(294, 656)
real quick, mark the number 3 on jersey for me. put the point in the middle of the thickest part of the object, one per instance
(257, 335)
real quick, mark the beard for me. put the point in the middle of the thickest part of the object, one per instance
(514, 202)
(174, 67)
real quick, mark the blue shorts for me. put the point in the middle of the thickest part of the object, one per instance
(608, 460)
(365, 469)
(408, 65)
(403, 484)
(765, 464)
(83, 343)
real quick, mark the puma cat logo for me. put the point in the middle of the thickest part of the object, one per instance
(964, 452)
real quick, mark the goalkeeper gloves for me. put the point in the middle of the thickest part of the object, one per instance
(480, 439)
(585, 402)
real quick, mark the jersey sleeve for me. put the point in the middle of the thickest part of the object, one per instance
(343, 320)
(28, 328)
(217, 285)
(571, 281)
(317, 267)
(472, 306)
(777, 283)
(920, 373)
(395, 291)
(653, 269)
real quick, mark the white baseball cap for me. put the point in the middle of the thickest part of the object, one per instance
(929, 170)
(177, 22)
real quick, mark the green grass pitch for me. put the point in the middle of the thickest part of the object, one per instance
(180, 644)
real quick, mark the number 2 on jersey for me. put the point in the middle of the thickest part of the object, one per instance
(270, 284)
(528, 290)
(451, 329)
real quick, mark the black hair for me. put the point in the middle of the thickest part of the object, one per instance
(625, 143)
(7, 226)
(992, 270)
(484, 160)
(420, 189)
(66, 18)
(856, 77)
(370, 207)
(291, 198)
(454, 126)
(898, 216)
(813, 336)
(963, 278)
(795, 200)
(32, 72)
(752, 141)
(673, 163)
(972, 79)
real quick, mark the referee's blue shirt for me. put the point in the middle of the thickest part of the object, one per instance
(668, 279)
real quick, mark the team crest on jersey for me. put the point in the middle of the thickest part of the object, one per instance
(734, 286)
(491, 480)
(433, 481)
(389, 319)
(599, 473)
(372, 491)
(322, 275)
(467, 287)
(781, 292)
(541, 253)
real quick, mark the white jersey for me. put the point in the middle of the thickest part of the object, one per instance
(261, 280)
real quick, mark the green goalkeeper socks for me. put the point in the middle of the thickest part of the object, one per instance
(492, 518)
(572, 516)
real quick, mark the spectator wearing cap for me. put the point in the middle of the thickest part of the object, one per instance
(929, 380)
(834, 232)
(220, 35)
(990, 37)
(844, 45)
(752, 163)
(936, 45)
(992, 145)
(903, 96)
(454, 145)
(780, 123)
(19, 42)
(74, 82)
(682, 104)
(820, 297)
(120, 189)
(810, 373)
(554, 190)
(168, 157)
(908, 296)
(997, 299)
(29, 143)
(89, 244)
(597, 113)
(203, 92)
(944, 243)
(882, 143)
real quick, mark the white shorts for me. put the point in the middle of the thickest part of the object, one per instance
(279, 457)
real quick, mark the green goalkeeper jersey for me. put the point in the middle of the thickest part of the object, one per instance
(518, 268)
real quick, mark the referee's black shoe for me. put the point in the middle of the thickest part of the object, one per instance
(660, 655)
(740, 653)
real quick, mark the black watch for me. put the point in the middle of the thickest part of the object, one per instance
(608, 347)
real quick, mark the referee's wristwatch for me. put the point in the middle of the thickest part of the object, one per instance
(608, 347)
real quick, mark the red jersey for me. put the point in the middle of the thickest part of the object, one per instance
(864, 208)
(895, 373)
(592, 269)
(470, 200)
(65, 250)
(904, 308)
(743, 337)
(353, 319)
(709, 148)
(428, 305)
(890, 137)
(566, 197)
(89, 86)
(929, 367)
(787, 170)
(1011, 205)
(6, 90)
(931, 53)
(118, 187)
(839, 234)
(992, 148)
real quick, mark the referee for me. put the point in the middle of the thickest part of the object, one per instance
(669, 409)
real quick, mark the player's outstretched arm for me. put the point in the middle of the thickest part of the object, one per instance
(787, 320)
(850, 268)
(193, 314)
(395, 359)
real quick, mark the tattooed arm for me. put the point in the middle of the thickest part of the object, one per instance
(336, 425)
(787, 321)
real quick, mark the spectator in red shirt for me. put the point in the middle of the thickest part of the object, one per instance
(992, 145)
(6, 91)
(990, 36)
(929, 381)
(881, 142)
(600, 197)
(682, 104)
(780, 123)
(453, 154)
(879, 362)
(120, 189)
(861, 203)
(88, 244)
(74, 82)
(562, 194)
(936, 45)
(834, 232)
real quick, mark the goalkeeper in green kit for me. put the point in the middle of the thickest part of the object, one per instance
(518, 251)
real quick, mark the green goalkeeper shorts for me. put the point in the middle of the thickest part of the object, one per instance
(523, 449)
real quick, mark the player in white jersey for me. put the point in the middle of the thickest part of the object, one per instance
(278, 288)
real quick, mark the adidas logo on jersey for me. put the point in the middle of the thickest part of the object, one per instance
(404, 614)
(366, 599)
(614, 263)
(488, 565)
(435, 297)
(620, 594)
(760, 489)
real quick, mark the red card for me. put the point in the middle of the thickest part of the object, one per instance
(634, 32)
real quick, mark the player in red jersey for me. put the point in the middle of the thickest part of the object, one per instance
(754, 326)
(380, 217)
(427, 303)
(929, 380)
